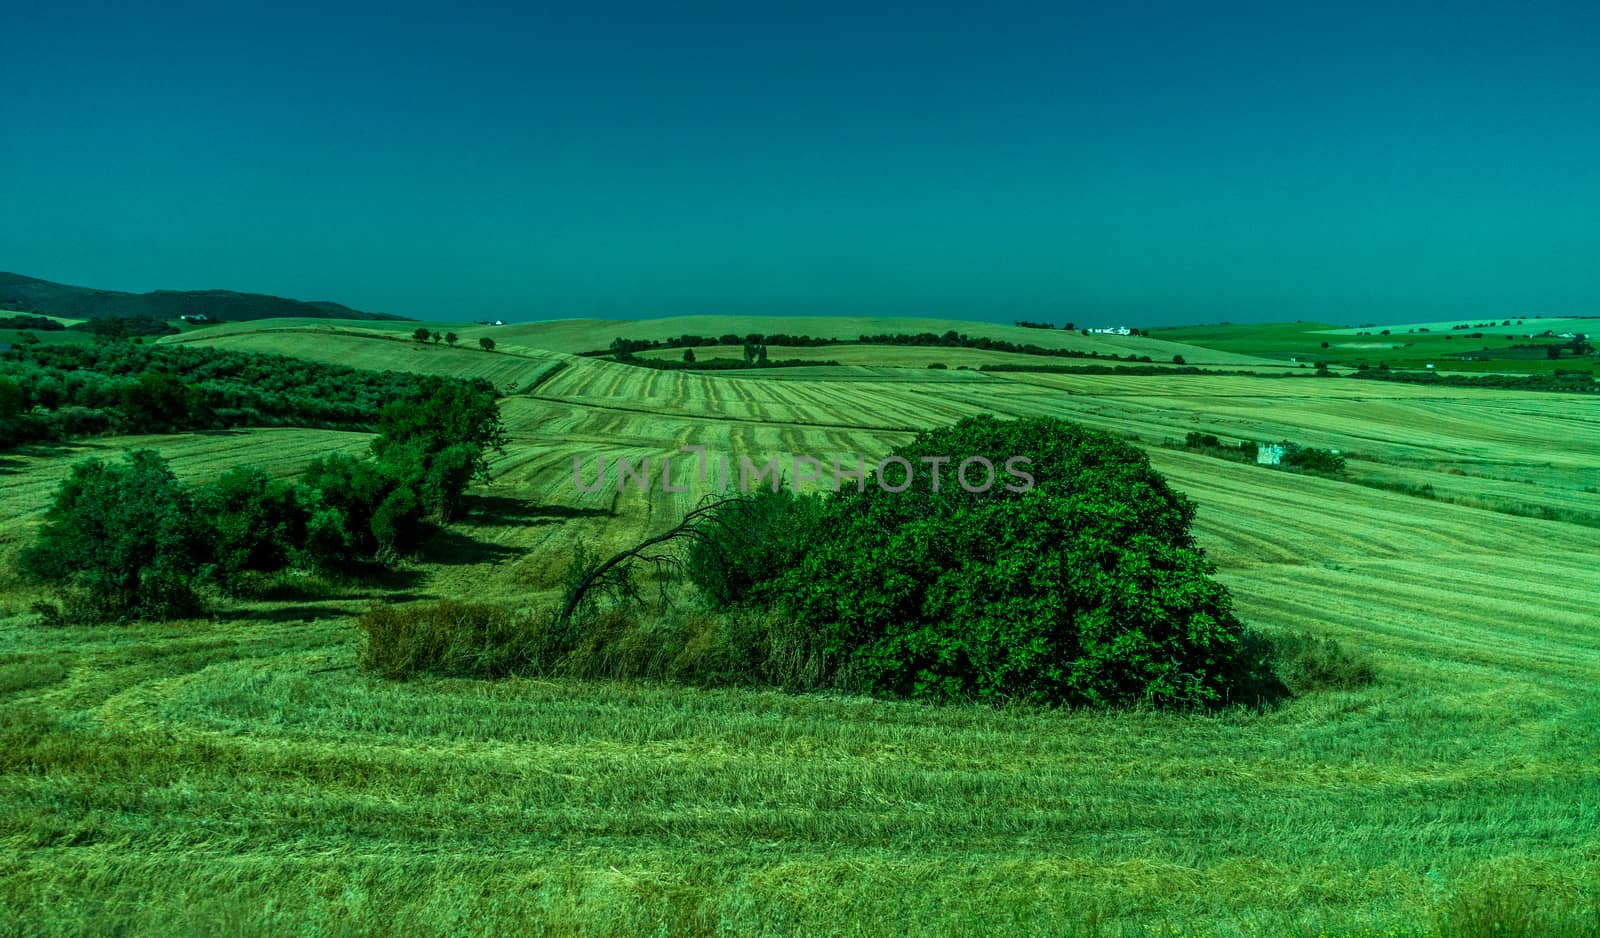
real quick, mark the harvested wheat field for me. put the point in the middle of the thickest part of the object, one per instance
(238, 768)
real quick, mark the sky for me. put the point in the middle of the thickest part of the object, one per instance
(1104, 163)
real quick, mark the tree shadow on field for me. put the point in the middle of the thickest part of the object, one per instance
(502, 511)
(47, 450)
(454, 548)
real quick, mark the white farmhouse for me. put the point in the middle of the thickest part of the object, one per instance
(1270, 454)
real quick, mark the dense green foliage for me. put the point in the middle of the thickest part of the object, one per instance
(1140, 369)
(750, 543)
(1312, 459)
(123, 540)
(124, 327)
(257, 524)
(454, 638)
(117, 388)
(723, 364)
(1306, 664)
(1574, 381)
(624, 349)
(1085, 589)
(39, 323)
(437, 441)
(131, 541)
(737, 647)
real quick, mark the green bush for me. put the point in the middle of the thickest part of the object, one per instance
(1311, 459)
(344, 496)
(397, 523)
(1307, 664)
(257, 524)
(123, 541)
(1085, 589)
(447, 638)
(736, 647)
(740, 647)
(750, 542)
(159, 402)
(1196, 440)
(437, 441)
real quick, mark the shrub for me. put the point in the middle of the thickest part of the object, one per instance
(447, 638)
(158, 402)
(737, 647)
(397, 523)
(1307, 664)
(256, 524)
(437, 441)
(1196, 440)
(123, 540)
(938, 366)
(1085, 589)
(454, 639)
(1312, 459)
(344, 497)
(738, 557)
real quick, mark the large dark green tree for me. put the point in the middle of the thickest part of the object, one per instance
(123, 540)
(343, 497)
(158, 402)
(438, 440)
(1085, 588)
(257, 524)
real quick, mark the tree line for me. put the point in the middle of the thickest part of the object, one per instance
(54, 393)
(626, 349)
(128, 540)
(1567, 381)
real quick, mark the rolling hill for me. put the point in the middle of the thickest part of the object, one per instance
(244, 755)
(45, 298)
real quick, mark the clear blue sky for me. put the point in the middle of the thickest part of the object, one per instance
(1104, 162)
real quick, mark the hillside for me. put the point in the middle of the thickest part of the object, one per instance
(58, 299)
(1505, 346)
(244, 755)
(589, 335)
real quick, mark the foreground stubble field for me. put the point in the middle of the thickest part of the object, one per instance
(172, 778)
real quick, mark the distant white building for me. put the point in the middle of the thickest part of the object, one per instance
(1117, 330)
(1270, 454)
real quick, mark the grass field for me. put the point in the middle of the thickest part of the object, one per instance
(1511, 346)
(238, 775)
(588, 335)
(50, 337)
(377, 351)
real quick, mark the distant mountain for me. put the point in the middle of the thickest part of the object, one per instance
(30, 295)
